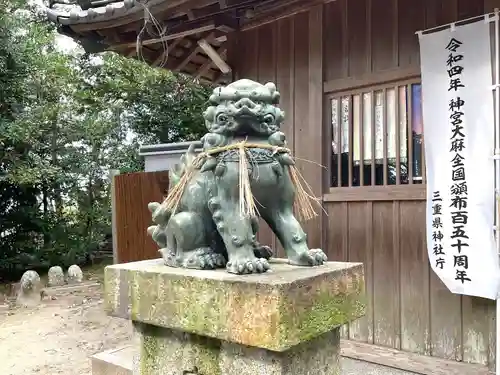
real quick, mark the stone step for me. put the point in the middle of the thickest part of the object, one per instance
(120, 362)
(114, 362)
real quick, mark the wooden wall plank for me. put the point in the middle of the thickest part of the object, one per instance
(475, 329)
(285, 75)
(338, 238)
(308, 122)
(385, 278)
(383, 18)
(490, 5)
(248, 57)
(446, 321)
(133, 192)
(467, 8)
(266, 68)
(492, 345)
(266, 72)
(335, 40)
(371, 37)
(360, 249)
(314, 143)
(430, 9)
(446, 11)
(414, 279)
(358, 30)
(411, 16)
(285, 82)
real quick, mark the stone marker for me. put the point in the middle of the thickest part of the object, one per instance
(75, 274)
(29, 289)
(216, 323)
(56, 276)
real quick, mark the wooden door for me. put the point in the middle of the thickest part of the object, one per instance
(133, 192)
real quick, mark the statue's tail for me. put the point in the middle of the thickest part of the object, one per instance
(181, 168)
(179, 178)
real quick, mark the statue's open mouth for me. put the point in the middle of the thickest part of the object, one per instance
(247, 121)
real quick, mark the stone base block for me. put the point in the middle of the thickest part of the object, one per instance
(164, 351)
(275, 311)
(319, 356)
(283, 322)
(168, 352)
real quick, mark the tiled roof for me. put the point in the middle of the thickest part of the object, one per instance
(99, 14)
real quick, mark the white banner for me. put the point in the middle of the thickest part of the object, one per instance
(458, 118)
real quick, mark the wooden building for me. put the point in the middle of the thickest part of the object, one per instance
(348, 72)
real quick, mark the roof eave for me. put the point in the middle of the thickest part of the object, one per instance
(95, 15)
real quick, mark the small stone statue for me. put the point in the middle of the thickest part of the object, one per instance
(210, 216)
(29, 289)
(75, 274)
(55, 276)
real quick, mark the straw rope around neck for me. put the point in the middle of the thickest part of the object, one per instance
(303, 199)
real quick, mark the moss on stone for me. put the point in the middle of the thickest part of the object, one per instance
(275, 312)
(111, 289)
(164, 348)
(330, 309)
(150, 354)
(202, 318)
(206, 354)
(135, 294)
(176, 302)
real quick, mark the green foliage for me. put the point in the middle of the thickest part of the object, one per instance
(161, 107)
(66, 120)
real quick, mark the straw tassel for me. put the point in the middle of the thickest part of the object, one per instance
(302, 203)
(247, 202)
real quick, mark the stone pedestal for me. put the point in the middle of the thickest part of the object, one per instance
(284, 322)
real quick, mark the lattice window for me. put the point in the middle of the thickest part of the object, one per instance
(374, 134)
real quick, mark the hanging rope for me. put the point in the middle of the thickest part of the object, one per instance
(152, 26)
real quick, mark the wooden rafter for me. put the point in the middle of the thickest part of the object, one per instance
(223, 4)
(193, 50)
(170, 48)
(182, 34)
(171, 13)
(222, 51)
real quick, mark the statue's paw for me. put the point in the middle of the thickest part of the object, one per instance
(169, 257)
(261, 251)
(313, 257)
(211, 261)
(205, 259)
(246, 266)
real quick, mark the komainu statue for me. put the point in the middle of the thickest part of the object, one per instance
(211, 214)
